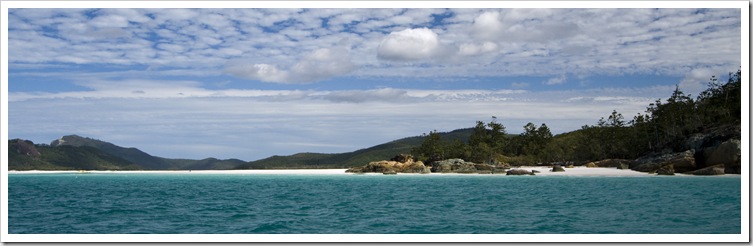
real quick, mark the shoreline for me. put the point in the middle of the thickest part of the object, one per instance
(543, 171)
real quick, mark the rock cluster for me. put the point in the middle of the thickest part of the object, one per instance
(405, 164)
(680, 162)
(461, 166)
(398, 164)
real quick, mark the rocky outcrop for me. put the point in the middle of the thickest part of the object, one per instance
(404, 165)
(719, 145)
(727, 154)
(461, 166)
(26, 147)
(557, 168)
(612, 162)
(520, 172)
(666, 170)
(712, 170)
(680, 161)
(591, 165)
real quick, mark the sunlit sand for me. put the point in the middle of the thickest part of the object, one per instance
(543, 171)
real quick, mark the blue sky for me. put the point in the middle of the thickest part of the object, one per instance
(250, 83)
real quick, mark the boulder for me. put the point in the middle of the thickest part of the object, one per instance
(712, 170)
(612, 162)
(591, 165)
(680, 161)
(519, 172)
(557, 168)
(457, 166)
(666, 170)
(727, 153)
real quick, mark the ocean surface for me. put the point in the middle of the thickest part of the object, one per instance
(101, 203)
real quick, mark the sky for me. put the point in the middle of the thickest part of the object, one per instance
(250, 83)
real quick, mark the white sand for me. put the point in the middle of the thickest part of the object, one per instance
(543, 171)
(585, 171)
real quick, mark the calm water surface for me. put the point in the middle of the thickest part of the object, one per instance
(339, 204)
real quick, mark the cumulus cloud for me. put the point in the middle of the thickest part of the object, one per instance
(410, 45)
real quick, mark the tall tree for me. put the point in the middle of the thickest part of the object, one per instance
(487, 141)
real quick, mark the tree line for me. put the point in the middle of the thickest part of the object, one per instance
(664, 126)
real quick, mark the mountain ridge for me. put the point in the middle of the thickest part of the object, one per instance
(95, 154)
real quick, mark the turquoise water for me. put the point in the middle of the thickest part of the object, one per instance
(382, 204)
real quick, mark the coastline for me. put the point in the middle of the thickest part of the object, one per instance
(543, 171)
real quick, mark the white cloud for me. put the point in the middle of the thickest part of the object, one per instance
(504, 42)
(476, 49)
(556, 80)
(318, 65)
(409, 45)
(262, 72)
(697, 80)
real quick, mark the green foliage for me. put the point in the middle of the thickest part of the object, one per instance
(487, 141)
(531, 143)
(431, 149)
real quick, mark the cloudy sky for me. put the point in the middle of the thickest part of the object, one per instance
(249, 83)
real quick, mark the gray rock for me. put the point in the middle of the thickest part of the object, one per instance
(681, 162)
(557, 168)
(666, 170)
(728, 154)
(712, 170)
(519, 172)
(457, 166)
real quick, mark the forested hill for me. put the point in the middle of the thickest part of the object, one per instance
(74, 152)
(350, 159)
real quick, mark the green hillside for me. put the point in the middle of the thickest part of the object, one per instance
(25, 155)
(80, 153)
(350, 159)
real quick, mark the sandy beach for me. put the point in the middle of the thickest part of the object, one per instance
(543, 171)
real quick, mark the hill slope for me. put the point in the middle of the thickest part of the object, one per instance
(25, 155)
(350, 159)
(74, 152)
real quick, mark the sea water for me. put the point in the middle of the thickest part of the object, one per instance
(97, 203)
